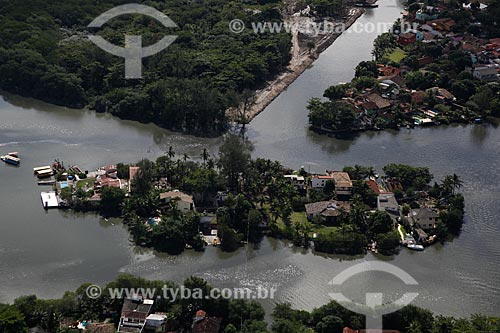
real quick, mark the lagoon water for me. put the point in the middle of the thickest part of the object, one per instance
(46, 253)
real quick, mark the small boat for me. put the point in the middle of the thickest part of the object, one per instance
(366, 5)
(11, 160)
(45, 173)
(37, 169)
(415, 247)
(46, 182)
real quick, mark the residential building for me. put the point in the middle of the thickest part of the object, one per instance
(184, 202)
(342, 182)
(386, 202)
(156, 322)
(296, 180)
(202, 323)
(380, 102)
(442, 94)
(407, 38)
(373, 186)
(319, 181)
(442, 24)
(327, 211)
(425, 218)
(106, 181)
(134, 314)
(487, 73)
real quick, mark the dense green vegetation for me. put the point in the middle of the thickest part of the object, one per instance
(238, 316)
(44, 53)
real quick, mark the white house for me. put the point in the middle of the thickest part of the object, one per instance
(296, 180)
(319, 181)
(487, 73)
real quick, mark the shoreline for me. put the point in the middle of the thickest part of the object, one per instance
(299, 65)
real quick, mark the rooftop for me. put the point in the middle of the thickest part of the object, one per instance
(176, 194)
(341, 179)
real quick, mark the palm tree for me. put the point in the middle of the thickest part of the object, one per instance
(205, 156)
(451, 183)
(171, 153)
(457, 182)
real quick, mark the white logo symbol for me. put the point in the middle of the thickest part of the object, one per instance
(133, 52)
(374, 309)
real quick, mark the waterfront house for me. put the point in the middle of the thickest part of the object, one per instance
(418, 96)
(319, 181)
(134, 314)
(373, 186)
(424, 218)
(327, 211)
(296, 180)
(106, 181)
(386, 202)
(381, 103)
(202, 323)
(184, 202)
(342, 182)
(407, 38)
(442, 94)
(156, 323)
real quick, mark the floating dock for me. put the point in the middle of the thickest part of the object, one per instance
(49, 200)
(46, 182)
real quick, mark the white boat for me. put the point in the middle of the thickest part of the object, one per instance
(37, 169)
(45, 173)
(11, 160)
(415, 247)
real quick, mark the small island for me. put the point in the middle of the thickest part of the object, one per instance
(442, 70)
(228, 200)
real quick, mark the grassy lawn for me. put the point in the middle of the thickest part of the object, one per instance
(298, 217)
(321, 229)
(396, 55)
(89, 181)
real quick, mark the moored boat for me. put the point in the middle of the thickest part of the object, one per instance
(415, 247)
(366, 5)
(12, 160)
(44, 173)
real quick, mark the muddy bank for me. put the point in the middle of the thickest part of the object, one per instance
(302, 58)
